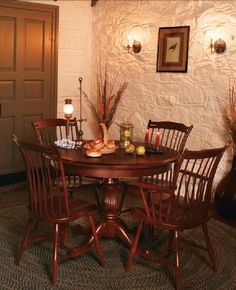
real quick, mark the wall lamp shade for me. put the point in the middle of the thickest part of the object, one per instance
(135, 47)
(68, 108)
(219, 46)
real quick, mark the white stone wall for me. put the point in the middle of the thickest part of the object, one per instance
(191, 97)
(74, 54)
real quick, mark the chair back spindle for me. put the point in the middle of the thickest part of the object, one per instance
(50, 130)
(46, 178)
(189, 196)
(172, 135)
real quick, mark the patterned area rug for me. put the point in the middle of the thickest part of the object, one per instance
(34, 271)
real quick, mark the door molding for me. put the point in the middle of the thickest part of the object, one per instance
(54, 12)
(12, 167)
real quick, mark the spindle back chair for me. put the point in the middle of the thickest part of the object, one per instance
(183, 205)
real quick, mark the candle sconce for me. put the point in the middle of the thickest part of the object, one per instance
(135, 48)
(219, 46)
(136, 36)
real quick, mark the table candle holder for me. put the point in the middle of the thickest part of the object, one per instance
(150, 148)
(80, 142)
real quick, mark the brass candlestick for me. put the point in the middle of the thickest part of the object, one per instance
(81, 119)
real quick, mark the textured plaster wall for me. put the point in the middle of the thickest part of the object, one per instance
(189, 97)
(74, 54)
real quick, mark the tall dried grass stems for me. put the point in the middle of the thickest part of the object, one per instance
(107, 98)
(229, 116)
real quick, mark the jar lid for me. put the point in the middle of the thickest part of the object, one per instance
(127, 125)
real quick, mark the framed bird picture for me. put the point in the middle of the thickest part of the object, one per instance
(172, 55)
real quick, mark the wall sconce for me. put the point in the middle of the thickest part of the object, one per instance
(68, 111)
(218, 47)
(137, 37)
(135, 48)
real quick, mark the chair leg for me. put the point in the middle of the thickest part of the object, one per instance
(170, 243)
(134, 246)
(55, 255)
(209, 247)
(96, 239)
(25, 241)
(177, 263)
(64, 233)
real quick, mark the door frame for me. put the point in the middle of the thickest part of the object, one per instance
(54, 12)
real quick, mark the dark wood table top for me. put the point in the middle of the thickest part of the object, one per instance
(118, 164)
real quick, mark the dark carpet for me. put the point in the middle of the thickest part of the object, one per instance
(34, 271)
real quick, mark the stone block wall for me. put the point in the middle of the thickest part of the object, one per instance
(197, 97)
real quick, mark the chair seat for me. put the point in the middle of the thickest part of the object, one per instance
(157, 184)
(186, 219)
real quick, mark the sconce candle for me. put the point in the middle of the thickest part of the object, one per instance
(147, 137)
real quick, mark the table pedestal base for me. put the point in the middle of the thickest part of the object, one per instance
(110, 225)
(112, 229)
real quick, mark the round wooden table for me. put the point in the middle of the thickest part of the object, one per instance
(112, 167)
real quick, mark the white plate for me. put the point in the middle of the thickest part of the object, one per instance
(91, 153)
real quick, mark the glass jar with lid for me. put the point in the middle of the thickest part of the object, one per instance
(126, 134)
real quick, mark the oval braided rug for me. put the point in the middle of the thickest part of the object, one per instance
(34, 271)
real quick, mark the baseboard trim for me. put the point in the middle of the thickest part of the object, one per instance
(12, 178)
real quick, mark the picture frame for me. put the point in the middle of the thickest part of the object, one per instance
(172, 55)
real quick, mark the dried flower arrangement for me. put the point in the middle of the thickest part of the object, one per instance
(107, 99)
(229, 116)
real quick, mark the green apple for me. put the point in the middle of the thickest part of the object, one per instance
(140, 150)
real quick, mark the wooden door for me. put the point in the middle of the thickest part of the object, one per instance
(28, 73)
